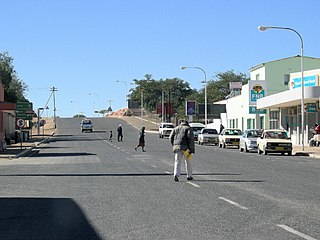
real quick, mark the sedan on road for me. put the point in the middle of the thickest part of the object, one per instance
(248, 140)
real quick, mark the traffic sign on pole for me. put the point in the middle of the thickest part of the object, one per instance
(20, 123)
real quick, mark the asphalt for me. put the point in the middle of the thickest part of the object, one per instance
(19, 149)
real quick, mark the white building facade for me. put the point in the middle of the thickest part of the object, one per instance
(277, 106)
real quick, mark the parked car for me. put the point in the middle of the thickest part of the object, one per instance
(86, 125)
(165, 129)
(248, 140)
(229, 137)
(208, 136)
(274, 141)
(196, 128)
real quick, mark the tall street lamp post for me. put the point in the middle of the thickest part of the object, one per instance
(78, 107)
(94, 104)
(205, 92)
(264, 28)
(126, 98)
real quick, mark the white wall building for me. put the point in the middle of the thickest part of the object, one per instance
(276, 78)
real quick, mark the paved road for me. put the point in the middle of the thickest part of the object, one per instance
(82, 186)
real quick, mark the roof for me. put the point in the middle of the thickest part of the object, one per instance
(263, 64)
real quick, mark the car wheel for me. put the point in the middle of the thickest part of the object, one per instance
(240, 149)
(265, 151)
(246, 148)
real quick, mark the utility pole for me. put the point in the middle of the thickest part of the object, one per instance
(53, 89)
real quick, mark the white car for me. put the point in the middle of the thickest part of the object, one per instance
(248, 140)
(165, 129)
(208, 136)
(274, 141)
(86, 125)
(229, 137)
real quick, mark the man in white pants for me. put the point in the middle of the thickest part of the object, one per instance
(182, 139)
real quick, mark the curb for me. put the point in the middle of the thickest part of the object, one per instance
(29, 149)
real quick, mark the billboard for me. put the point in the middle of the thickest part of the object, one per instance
(257, 89)
(190, 108)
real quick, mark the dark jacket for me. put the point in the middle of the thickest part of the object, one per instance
(182, 138)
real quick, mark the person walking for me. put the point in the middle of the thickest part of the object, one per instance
(110, 136)
(141, 139)
(119, 130)
(182, 139)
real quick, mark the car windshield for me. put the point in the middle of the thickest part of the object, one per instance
(276, 135)
(86, 122)
(254, 133)
(168, 126)
(232, 132)
(210, 131)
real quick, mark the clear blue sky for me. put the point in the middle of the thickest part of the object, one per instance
(84, 46)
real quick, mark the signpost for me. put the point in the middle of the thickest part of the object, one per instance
(24, 110)
(20, 124)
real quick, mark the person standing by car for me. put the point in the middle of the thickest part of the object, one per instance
(141, 140)
(119, 130)
(182, 139)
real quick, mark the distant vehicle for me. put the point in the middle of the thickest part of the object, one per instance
(208, 136)
(274, 141)
(86, 125)
(165, 129)
(196, 128)
(248, 140)
(229, 137)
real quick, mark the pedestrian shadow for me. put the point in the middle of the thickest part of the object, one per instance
(44, 218)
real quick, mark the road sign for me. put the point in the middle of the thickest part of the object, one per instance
(23, 110)
(20, 123)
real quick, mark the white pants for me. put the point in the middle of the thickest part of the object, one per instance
(177, 164)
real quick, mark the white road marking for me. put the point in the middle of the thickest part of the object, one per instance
(233, 203)
(154, 166)
(300, 234)
(167, 172)
(193, 184)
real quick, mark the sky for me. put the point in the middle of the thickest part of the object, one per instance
(83, 47)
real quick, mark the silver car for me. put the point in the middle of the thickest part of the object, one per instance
(248, 140)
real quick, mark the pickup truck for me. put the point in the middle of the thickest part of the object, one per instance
(208, 136)
(274, 141)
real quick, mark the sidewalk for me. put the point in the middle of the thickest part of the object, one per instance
(19, 149)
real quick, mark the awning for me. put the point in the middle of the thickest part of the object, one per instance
(289, 98)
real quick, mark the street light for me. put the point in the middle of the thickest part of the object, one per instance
(205, 92)
(264, 28)
(126, 90)
(93, 102)
(78, 107)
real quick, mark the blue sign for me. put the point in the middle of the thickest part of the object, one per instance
(309, 81)
(191, 108)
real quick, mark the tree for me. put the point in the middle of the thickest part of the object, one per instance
(175, 91)
(218, 88)
(14, 88)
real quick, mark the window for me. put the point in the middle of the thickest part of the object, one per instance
(286, 79)
(257, 76)
(274, 119)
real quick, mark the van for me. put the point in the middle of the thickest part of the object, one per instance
(196, 127)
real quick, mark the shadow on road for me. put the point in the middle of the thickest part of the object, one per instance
(44, 218)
